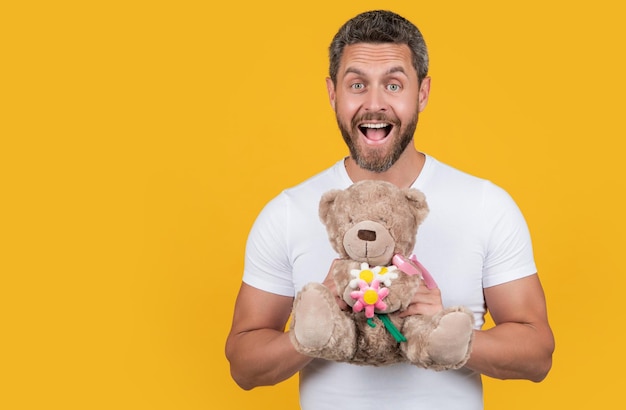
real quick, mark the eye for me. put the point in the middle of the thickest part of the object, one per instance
(393, 87)
(357, 86)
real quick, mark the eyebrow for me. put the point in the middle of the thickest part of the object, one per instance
(354, 71)
(392, 70)
(396, 69)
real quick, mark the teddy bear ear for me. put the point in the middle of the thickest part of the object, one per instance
(326, 202)
(417, 200)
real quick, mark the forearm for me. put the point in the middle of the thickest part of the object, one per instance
(263, 357)
(512, 351)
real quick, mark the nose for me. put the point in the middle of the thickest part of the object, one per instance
(375, 100)
(366, 235)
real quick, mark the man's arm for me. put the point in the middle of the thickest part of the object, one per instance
(521, 343)
(259, 351)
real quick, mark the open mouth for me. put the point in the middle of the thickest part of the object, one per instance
(376, 131)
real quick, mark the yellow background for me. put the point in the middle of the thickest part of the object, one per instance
(140, 139)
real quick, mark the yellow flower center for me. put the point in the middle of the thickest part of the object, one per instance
(370, 296)
(367, 275)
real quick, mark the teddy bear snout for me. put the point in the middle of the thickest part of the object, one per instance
(369, 241)
(366, 235)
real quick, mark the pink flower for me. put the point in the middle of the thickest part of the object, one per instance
(369, 297)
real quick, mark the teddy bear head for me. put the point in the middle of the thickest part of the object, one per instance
(372, 220)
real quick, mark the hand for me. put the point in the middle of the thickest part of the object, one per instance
(425, 302)
(329, 282)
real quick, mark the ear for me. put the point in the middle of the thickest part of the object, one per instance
(330, 87)
(417, 201)
(328, 199)
(424, 92)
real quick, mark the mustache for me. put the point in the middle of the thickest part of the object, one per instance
(374, 116)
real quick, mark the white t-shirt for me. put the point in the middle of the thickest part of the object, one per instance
(474, 237)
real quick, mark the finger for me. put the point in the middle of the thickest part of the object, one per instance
(426, 309)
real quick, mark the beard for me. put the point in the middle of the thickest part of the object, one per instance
(372, 159)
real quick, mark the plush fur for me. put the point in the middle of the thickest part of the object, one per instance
(369, 223)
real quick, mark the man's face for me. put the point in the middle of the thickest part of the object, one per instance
(377, 100)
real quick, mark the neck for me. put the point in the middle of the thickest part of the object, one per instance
(402, 173)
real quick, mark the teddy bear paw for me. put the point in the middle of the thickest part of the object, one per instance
(319, 328)
(449, 343)
(442, 342)
(312, 327)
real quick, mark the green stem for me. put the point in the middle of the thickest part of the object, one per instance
(391, 328)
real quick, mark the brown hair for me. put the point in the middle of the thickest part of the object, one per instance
(379, 26)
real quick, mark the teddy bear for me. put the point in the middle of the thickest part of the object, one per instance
(372, 225)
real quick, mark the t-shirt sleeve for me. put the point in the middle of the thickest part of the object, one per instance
(509, 253)
(267, 265)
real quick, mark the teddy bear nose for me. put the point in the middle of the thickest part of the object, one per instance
(366, 235)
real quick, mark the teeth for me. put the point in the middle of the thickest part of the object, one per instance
(379, 125)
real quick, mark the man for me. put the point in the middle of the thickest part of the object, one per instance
(475, 242)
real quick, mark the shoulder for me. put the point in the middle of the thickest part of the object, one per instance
(301, 202)
(449, 185)
(306, 195)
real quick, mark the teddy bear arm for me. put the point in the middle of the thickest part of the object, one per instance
(341, 275)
